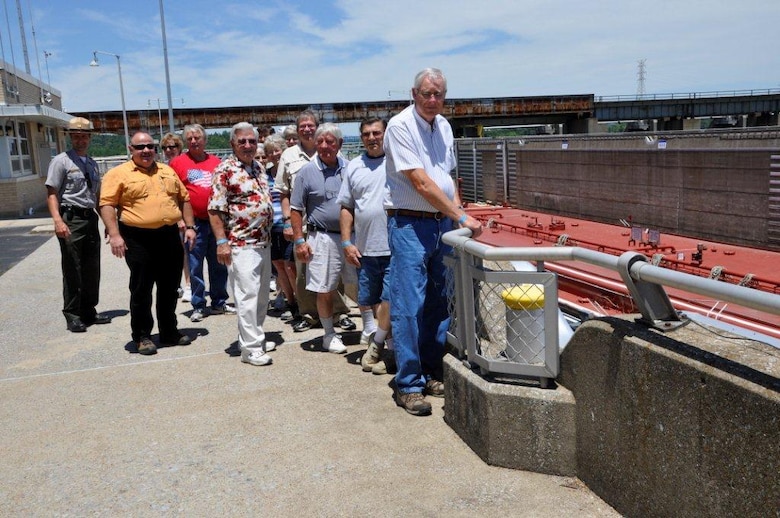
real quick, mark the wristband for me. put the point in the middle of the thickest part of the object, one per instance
(287, 225)
(299, 241)
(190, 227)
(462, 219)
(221, 241)
(345, 244)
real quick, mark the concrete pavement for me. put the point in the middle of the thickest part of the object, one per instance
(92, 428)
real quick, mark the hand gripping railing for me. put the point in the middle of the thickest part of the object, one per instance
(645, 283)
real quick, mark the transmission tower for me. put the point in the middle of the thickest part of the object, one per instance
(640, 77)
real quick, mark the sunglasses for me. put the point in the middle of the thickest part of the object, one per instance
(170, 147)
(141, 147)
(243, 141)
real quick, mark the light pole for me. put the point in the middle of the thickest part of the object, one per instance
(167, 72)
(46, 56)
(159, 114)
(94, 63)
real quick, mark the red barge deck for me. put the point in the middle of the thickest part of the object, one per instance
(598, 292)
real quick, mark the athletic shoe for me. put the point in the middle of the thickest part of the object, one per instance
(333, 344)
(229, 309)
(186, 295)
(372, 355)
(199, 314)
(255, 357)
(346, 323)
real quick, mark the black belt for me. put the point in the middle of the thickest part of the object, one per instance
(312, 228)
(76, 211)
(416, 214)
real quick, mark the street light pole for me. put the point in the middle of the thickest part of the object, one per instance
(159, 114)
(167, 72)
(46, 56)
(94, 63)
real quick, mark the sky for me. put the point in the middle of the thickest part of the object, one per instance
(247, 53)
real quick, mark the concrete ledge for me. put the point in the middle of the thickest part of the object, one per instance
(678, 424)
(511, 425)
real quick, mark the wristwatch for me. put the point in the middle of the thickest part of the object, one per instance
(190, 227)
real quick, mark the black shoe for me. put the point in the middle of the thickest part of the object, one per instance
(180, 339)
(76, 326)
(99, 319)
(301, 326)
(346, 323)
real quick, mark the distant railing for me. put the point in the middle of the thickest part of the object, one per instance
(688, 95)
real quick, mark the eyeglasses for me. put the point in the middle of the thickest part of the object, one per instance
(170, 147)
(427, 95)
(243, 141)
(371, 133)
(141, 147)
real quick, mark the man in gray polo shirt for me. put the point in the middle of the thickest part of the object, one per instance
(315, 193)
(73, 185)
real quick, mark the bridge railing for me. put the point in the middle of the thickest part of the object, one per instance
(687, 95)
(506, 321)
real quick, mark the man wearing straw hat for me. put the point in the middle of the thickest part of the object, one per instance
(73, 185)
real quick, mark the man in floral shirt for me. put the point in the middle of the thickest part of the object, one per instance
(241, 214)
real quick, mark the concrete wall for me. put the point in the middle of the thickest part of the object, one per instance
(17, 195)
(710, 185)
(678, 424)
(715, 195)
(683, 424)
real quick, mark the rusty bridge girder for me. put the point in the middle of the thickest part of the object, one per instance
(460, 112)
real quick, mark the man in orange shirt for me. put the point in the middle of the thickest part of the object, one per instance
(141, 202)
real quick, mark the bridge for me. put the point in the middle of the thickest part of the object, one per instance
(573, 113)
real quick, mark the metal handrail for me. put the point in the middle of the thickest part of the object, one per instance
(688, 95)
(639, 271)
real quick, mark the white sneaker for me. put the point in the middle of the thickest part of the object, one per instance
(255, 357)
(198, 315)
(269, 346)
(272, 286)
(186, 294)
(333, 344)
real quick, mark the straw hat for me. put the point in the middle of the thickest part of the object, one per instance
(80, 124)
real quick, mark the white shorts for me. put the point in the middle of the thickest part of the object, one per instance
(327, 265)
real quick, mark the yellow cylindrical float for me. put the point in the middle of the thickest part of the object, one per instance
(525, 323)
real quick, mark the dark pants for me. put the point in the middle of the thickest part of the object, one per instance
(154, 256)
(81, 267)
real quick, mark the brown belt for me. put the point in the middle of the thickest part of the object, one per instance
(416, 214)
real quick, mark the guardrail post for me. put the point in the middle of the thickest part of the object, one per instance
(651, 299)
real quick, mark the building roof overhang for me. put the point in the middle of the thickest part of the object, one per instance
(36, 113)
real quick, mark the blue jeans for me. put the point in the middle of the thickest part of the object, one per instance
(418, 298)
(373, 280)
(205, 249)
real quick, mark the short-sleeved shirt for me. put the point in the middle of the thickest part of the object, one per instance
(316, 193)
(70, 182)
(197, 178)
(243, 194)
(411, 143)
(145, 199)
(290, 163)
(364, 190)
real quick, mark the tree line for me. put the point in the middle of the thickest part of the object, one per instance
(105, 144)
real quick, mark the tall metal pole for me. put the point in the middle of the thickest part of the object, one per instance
(167, 72)
(95, 63)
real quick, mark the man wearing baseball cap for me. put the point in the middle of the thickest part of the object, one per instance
(73, 186)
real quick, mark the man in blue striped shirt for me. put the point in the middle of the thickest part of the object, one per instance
(423, 206)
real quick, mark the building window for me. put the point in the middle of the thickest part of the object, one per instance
(19, 149)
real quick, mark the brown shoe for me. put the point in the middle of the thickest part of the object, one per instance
(434, 388)
(178, 339)
(146, 347)
(413, 402)
(386, 365)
